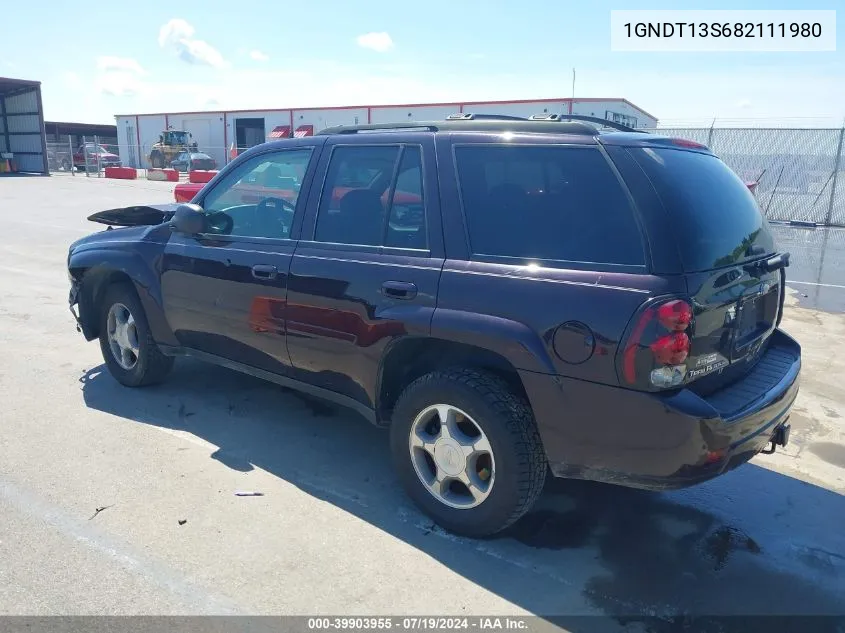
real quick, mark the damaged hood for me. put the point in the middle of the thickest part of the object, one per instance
(138, 215)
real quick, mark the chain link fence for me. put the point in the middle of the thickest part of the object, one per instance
(83, 155)
(816, 253)
(800, 173)
(89, 155)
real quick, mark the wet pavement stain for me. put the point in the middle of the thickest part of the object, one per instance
(547, 529)
(830, 452)
(725, 541)
(830, 412)
(664, 560)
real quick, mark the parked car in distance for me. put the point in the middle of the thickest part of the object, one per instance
(91, 156)
(186, 161)
(512, 298)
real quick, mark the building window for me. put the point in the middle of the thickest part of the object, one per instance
(624, 119)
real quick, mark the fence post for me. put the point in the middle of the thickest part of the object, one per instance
(70, 155)
(836, 164)
(97, 153)
(710, 134)
(85, 153)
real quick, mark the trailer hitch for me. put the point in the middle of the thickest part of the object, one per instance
(779, 438)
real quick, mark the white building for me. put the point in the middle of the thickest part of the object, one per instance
(215, 132)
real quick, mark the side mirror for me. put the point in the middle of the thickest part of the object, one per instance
(188, 219)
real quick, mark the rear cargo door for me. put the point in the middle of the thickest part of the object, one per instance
(735, 276)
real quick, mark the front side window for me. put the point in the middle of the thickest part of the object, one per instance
(258, 199)
(373, 196)
(546, 202)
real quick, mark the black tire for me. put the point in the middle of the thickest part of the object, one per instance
(151, 366)
(157, 161)
(508, 423)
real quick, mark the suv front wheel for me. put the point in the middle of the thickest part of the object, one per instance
(131, 354)
(467, 451)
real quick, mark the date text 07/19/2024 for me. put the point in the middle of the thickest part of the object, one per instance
(418, 623)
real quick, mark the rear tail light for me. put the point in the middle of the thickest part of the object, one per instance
(675, 315)
(671, 349)
(658, 346)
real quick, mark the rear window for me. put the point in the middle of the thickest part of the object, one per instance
(549, 203)
(716, 219)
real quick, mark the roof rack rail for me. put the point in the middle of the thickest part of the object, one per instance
(468, 116)
(590, 119)
(378, 127)
(479, 123)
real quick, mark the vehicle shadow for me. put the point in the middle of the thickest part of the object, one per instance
(753, 542)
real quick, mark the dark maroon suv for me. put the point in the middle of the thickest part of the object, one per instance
(512, 298)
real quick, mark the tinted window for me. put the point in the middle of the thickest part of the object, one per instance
(556, 203)
(258, 198)
(356, 206)
(406, 224)
(715, 217)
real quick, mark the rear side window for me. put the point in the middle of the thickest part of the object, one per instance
(716, 219)
(373, 196)
(551, 203)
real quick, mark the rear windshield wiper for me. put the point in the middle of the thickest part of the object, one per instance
(776, 262)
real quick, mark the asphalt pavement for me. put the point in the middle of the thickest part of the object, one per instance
(118, 501)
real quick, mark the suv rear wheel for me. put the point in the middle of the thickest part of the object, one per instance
(128, 348)
(467, 451)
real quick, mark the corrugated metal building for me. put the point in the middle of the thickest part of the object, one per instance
(216, 132)
(62, 131)
(22, 125)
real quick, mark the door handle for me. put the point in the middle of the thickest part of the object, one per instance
(264, 272)
(399, 289)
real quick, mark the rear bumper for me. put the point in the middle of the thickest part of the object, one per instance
(654, 441)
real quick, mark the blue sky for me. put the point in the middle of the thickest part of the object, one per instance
(95, 60)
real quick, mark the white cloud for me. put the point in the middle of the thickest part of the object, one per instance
(380, 42)
(120, 84)
(743, 104)
(120, 64)
(178, 35)
(119, 76)
(259, 56)
(173, 31)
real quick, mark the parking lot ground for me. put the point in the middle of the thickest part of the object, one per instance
(332, 533)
